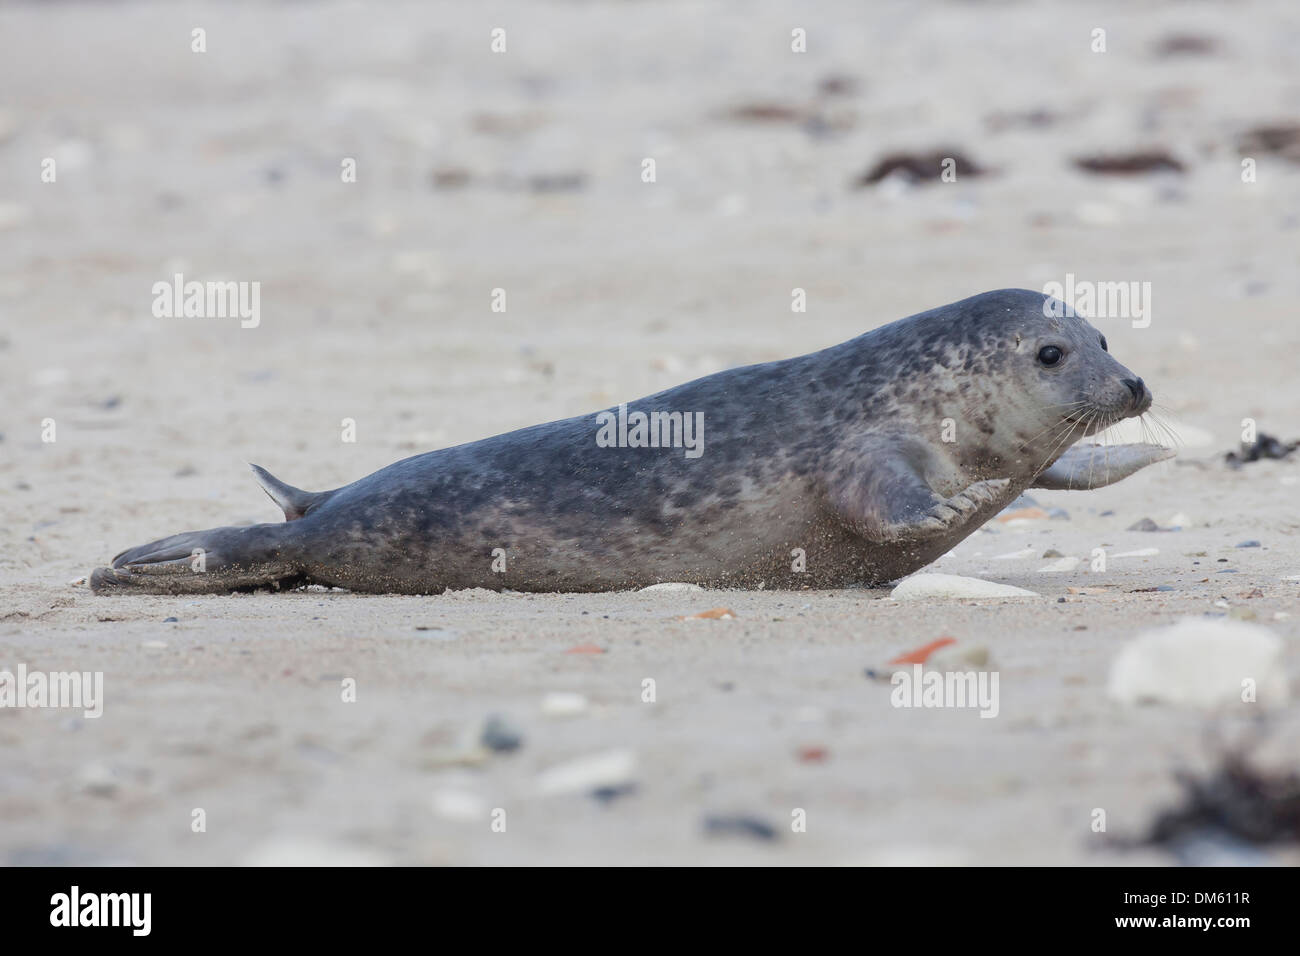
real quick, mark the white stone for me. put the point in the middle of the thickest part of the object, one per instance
(460, 805)
(1017, 555)
(609, 768)
(308, 851)
(921, 587)
(1200, 662)
(562, 704)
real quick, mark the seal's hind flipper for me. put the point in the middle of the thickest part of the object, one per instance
(294, 502)
(203, 562)
(1084, 467)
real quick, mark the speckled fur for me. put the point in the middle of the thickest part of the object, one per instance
(837, 453)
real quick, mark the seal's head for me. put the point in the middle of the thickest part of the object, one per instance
(1045, 374)
(1070, 361)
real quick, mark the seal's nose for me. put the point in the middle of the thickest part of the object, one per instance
(1139, 390)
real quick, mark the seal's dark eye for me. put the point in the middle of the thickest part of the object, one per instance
(1103, 344)
(1049, 355)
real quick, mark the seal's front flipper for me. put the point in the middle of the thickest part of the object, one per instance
(973, 505)
(1094, 466)
(889, 501)
(203, 562)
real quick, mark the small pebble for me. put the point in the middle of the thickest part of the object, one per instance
(99, 779)
(719, 825)
(500, 736)
(294, 851)
(458, 805)
(1146, 524)
(610, 794)
(610, 768)
(561, 704)
(1016, 555)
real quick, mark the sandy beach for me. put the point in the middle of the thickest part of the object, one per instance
(522, 171)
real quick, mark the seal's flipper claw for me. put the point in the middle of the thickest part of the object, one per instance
(294, 502)
(1085, 467)
(890, 502)
(202, 562)
(973, 505)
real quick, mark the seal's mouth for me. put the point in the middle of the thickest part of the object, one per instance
(1099, 418)
(1096, 418)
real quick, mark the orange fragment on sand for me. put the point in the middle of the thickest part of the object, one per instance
(812, 754)
(714, 614)
(919, 655)
(585, 649)
(1023, 513)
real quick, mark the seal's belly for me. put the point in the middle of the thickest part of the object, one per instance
(757, 533)
(778, 536)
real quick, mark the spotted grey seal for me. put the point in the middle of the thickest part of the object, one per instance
(857, 464)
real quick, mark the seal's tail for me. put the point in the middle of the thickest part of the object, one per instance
(204, 562)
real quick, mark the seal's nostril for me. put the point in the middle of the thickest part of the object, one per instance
(1136, 386)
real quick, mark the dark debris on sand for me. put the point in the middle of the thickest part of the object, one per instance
(1127, 164)
(920, 167)
(716, 825)
(1264, 446)
(1236, 801)
(1280, 139)
(1186, 44)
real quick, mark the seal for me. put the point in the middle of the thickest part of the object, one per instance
(854, 465)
